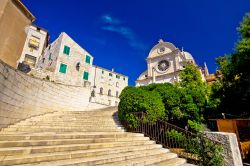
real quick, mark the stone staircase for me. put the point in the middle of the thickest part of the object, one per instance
(80, 138)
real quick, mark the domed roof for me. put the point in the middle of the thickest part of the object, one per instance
(188, 56)
(167, 46)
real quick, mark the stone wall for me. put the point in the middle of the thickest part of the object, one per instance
(22, 96)
(232, 155)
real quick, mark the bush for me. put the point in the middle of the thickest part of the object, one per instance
(170, 95)
(134, 99)
(195, 127)
(208, 153)
(175, 135)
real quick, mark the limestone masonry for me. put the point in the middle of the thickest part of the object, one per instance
(164, 62)
(22, 96)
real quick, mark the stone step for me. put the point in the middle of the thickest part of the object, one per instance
(60, 148)
(68, 126)
(71, 121)
(142, 161)
(62, 129)
(172, 162)
(101, 159)
(25, 143)
(76, 117)
(80, 138)
(9, 160)
(45, 136)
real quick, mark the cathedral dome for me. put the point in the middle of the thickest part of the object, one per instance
(189, 57)
(161, 48)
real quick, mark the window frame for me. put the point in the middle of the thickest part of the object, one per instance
(66, 66)
(66, 50)
(88, 59)
(85, 74)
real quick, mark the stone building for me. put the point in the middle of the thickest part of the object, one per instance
(14, 17)
(164, 63)
(66, 62)
(36, 42)
(106, 85)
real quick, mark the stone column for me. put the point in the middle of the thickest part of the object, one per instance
(153, 73)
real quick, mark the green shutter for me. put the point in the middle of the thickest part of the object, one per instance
(86, 75)
(87, 60)
(124, 78)
(66, 50)
(117, 76)
(103, 72)
(110, 74)
(63, 68)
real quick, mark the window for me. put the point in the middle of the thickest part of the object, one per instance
(117, 84)
(66, 50)
(87, 60)
(116, 103)
(86, 75)
(63, 68)
(103, 72)
(78, 66)
(124, 78)
(43, 60)
(117, 94)
(101, 91)
(93, 93)
(29, 60)
(110, 74)
(109, 92)
(117, 76)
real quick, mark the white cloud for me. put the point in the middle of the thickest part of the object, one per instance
(110, 20)
(115, 25)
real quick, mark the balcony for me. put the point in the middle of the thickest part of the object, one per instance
(34, 43)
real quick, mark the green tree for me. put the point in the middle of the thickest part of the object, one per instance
(194, 94)
(234, 92)
(134, 100)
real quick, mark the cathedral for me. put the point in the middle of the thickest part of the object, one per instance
(164, 63)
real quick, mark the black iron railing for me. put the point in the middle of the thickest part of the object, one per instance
(195, 147)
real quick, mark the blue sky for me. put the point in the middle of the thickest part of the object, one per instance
(120, 33)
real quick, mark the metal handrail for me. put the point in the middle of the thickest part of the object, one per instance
(184, 143)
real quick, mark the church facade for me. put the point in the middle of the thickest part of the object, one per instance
(164, 63)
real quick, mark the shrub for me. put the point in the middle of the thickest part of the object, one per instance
(195, 127)
(175, 135)
(134, 99)
(170, 95)
(47, 78)
(208, 153)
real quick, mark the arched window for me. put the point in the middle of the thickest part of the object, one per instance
(109, 92)
(101, 91)
(117, 84)
(117, 94)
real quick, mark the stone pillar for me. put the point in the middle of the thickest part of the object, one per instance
(153, 73)
(232, 155)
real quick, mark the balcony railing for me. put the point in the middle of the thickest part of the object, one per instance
(33, 43)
